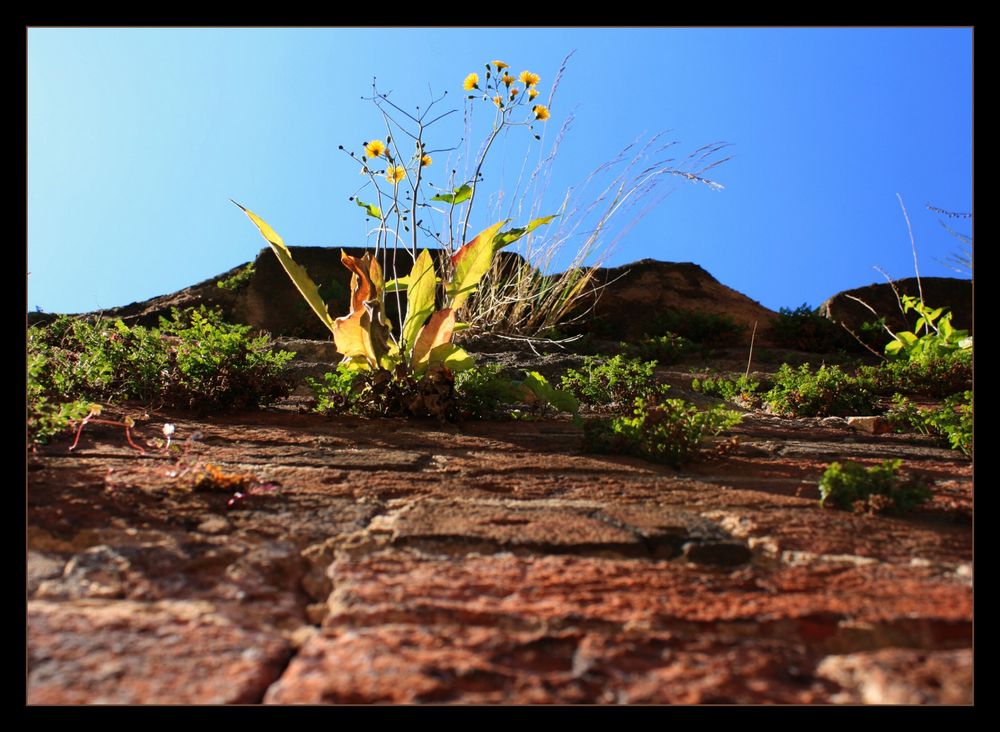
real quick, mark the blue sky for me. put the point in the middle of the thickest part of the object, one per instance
(138, 138)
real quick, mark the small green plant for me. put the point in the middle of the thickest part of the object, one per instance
(932, 337)
(742, 390)
(337, 392)
(616, 380)
(482, 392)
(829, 391)
(878, 489)
(239, 280)
(669, 431)
(939, 376)
(48, 419)
(952, 420)
(665, 349)
(194, 360)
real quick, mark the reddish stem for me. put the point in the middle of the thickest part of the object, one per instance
(79, 430)
(128, 436)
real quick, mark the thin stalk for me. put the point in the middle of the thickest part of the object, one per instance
(913, 246)
(475, 179)
(750, 357)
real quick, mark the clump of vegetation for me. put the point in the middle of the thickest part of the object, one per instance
(668, 431)
(471, 286)
(238, 281)
(707, 329)
(804, 329)
(195, 360)
(384, 393)
(932, 337)
(482, 392)
(878, 489)
(952, 420)
(940, 376)
(615, 380)
(47, 419)
(742, 390)
(829, 391)
(485, 392)
(664, 349)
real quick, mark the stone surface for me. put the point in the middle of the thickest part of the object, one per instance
(901, 676)
(876, 425)
(395, 561)
(107, 652)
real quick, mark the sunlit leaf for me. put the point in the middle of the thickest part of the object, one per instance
(366, 279)
(452, 356)
(420, 296)
(505, 238)
(545, 392)
(363, 332)
(298, 274)
(438, 330)
(373, 210)
(461, 194)
(471, 262)
(350, 336)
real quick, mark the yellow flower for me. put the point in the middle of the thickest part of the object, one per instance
(375, 148)
(395, 173)
(529, 79)
(513, 93)
(426, 160)
(541, 112)
(532, 93)
(507, 79)
(471, 82)
(497, 101)
(500, 65)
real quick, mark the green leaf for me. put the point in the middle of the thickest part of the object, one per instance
(373, 210)
(907, 337)
(461, 194)
(397, 285)
(540, 387)
(946, 327)
(452, 356)
(420, 297)
(460, 326)
(893, 347)
(298, 274)
(506, 238)
(471, 262)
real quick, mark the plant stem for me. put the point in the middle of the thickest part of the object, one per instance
(475, 179)
(750, 357)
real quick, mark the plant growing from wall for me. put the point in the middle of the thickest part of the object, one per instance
(422, 344)
(877, 489)
(660, 430)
